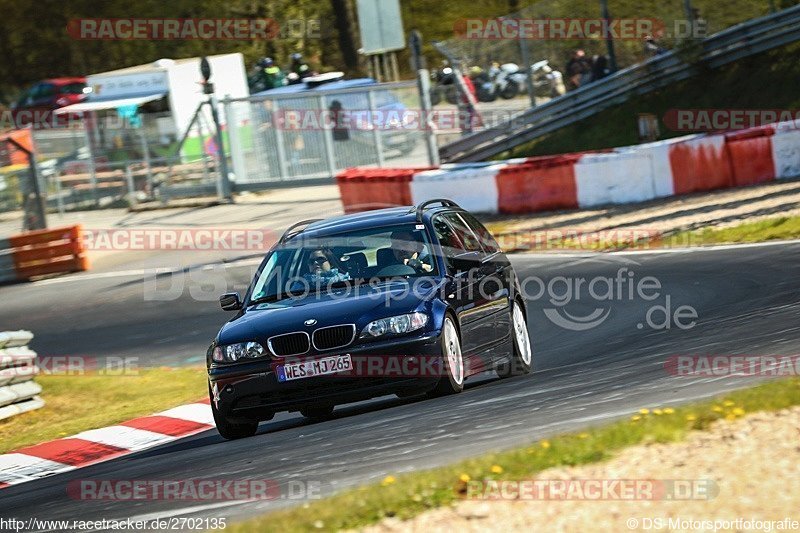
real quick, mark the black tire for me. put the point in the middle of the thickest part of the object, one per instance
(450, 383)
(436, 97)
(233, 430)
(320, 412)
(510, 90)
(451, 94)
(517, 364)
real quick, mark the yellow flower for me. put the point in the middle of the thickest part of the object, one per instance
(657, 411)
(738, 411)
(636, 417)
(644, 411)
(464, 477)
(691, 418)
(668, 410)
(728, 403)
(497, 469)
(730, 417)
(583, 436)
(545, 444)
(388, 480)
(717, 409)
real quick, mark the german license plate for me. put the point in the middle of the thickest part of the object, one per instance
(315, 367)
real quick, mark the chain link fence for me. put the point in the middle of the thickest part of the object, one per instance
(316, 134)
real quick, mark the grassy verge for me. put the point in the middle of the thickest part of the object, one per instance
(407, 495)
(78, 403)
(777, 228)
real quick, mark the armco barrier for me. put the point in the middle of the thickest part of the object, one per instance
(623, 175)
(38, 253)
(18, 392)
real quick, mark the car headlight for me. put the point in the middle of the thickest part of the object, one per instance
(234, 352)
(395, 325)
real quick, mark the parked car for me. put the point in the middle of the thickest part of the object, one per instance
(35, 105)
(336, 301)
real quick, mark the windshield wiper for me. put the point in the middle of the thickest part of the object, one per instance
(274, 297)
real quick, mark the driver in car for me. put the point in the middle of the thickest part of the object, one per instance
(409, 251)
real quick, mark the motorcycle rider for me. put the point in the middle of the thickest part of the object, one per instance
(271, 74)
(300, 68)
(578, 69)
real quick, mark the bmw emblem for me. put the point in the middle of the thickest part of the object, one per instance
(310, 322)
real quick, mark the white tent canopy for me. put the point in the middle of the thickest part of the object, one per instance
(96, 104)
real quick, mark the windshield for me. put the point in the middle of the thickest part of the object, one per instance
(312, 264)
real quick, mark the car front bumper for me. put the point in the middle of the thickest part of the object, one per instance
(251, 390)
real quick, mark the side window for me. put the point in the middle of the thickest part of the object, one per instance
(488, 242)
(466, 235)
(45, 90)
(448, 240)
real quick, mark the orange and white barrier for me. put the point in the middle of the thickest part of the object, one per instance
(623, 175)
(42, 252)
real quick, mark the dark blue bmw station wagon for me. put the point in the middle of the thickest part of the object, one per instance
(406, 301)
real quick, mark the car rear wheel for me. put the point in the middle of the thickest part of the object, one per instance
(522, 354)
(452, 361)
(318, 412)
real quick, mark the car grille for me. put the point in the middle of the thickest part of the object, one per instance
(334, 337)
(289, 344)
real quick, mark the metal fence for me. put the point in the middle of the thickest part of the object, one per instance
(315, 134)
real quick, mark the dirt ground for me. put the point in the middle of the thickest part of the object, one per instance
(753, 462)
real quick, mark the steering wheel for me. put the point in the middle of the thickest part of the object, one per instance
(396, 270)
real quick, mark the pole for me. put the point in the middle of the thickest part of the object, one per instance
(40, 213)
(526, 64)
(424, 90)
(612, 56)
(225, 184)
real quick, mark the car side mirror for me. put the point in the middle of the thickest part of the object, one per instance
(465, 262)
(230, 301)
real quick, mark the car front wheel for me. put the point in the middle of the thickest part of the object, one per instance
(233, 430)
(522, 354)
(452, 380)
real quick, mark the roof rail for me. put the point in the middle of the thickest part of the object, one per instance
(292, 231)
(421, 207)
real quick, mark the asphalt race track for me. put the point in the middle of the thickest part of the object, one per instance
(745, 299)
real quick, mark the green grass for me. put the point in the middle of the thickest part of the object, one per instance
(81, 402)
(778, 228)
(404, 496)
(770, 229)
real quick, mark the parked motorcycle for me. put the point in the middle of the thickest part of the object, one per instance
(443, 85)
(484, 86)
(509, 80)
(546, 80)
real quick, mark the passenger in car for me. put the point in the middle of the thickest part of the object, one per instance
(320, 269)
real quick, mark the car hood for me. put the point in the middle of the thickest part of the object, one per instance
(352, 306)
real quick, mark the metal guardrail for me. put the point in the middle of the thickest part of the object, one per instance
(743, 40)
